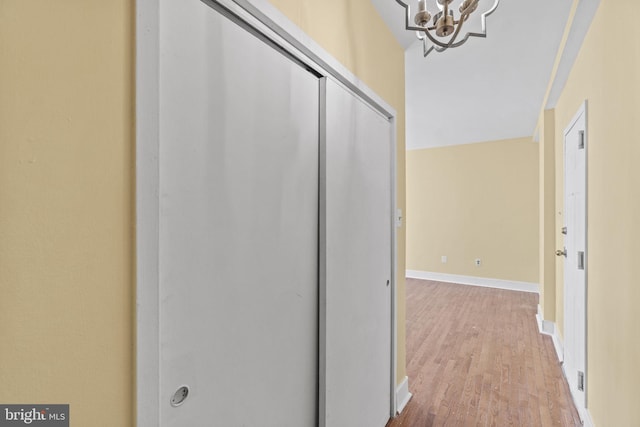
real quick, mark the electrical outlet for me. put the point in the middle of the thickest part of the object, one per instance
(478, 262)
(443, 258)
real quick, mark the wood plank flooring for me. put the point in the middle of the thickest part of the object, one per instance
(475, 358)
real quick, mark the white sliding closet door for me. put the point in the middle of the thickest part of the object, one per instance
(356, 293)
(238, 226)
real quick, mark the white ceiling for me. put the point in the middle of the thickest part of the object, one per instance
(487, 89)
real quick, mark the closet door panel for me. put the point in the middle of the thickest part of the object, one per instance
(238, 226)
(356, 310)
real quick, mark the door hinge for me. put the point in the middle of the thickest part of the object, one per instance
(564, 230)
(580, 381)
(581, 140)
(580, 260)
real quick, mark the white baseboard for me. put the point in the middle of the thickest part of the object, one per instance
(474, 281)
(402, 394)
(549, 328)
(539, 321)
(586, 419)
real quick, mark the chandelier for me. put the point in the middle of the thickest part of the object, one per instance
(444, 31)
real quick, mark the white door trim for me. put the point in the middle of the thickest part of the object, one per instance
(266, 20)
(582, 112)
(147, 213)
(394, 406)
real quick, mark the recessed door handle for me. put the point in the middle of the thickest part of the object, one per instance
(562, 252)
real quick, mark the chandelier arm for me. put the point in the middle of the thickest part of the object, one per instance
(469, 7)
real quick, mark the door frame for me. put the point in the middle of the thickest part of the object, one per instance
(582, 112)
(270, 24)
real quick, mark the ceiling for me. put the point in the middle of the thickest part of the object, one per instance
(488, 89)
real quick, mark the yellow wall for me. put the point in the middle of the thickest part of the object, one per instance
(558, 222)
(547, 206)
(66, 207)
(353, 33)
(474, 201)
(607, 74)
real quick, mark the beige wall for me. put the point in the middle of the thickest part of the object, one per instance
(353, 33)
(66, 207)
(607, 74)
(474, 201)
(547, 206)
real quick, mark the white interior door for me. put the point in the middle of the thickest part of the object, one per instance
(239, 142)
(575, 141)
(355, 337)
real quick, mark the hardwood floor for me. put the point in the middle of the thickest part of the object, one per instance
(475, 358)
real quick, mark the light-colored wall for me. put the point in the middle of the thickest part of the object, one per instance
(354, 33)
(474, 201)
(66, 207)
(547, 206)
(607, 74)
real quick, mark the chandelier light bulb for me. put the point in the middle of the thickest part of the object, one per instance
(445, 24)
(423, 15)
